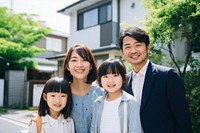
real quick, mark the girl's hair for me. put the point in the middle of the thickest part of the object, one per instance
(56, 84)
(84, 52)
(112, 66)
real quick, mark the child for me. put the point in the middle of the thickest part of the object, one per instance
(108, 110)
(55, 108)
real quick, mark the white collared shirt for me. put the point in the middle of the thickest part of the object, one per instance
(138, 82)
(56, 125)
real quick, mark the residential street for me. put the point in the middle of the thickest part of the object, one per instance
(15, 121)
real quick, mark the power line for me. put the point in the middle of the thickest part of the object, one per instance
(8, 60)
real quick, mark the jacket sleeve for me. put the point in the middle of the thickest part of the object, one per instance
(178, 102)
(134, 124)
(94, 115)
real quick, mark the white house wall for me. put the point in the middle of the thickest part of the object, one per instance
(180, 49)
(132, 15)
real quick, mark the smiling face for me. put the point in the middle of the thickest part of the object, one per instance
(78, 66)
(135, 52)
(112, 83)
(56, 101)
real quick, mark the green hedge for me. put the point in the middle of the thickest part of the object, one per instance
(192, 83)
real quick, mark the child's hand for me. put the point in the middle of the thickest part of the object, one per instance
(33, 118)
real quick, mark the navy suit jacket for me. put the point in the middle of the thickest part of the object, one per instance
(164, 107)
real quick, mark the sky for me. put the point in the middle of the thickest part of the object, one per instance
(46, 9)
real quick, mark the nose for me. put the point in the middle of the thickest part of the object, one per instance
(110, 79)
(79, 63)
(58, 99)
(133, 49)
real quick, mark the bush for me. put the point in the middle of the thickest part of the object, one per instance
(192, 83)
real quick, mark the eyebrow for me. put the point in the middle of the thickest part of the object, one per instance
(73, 57)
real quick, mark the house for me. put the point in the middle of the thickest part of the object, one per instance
(55, 43)
(96, 23)
(23, 88)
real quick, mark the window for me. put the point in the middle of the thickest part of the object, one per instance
(90, 18)
(95, 16)
(53, 44)
(105, 14)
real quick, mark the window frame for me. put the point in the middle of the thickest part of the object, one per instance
(80, 16)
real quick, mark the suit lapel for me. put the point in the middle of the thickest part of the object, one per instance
(149, 78)
(129, 87)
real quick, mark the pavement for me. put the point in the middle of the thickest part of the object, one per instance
(23, 116)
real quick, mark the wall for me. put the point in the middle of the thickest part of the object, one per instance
(15, 93)
(132, 15)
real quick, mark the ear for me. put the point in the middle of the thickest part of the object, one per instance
(121, 52)
(148, 49)
(91, 67)
(45, 96)
(67, 67)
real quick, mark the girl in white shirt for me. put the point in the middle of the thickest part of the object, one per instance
(55, 108)
(108, 110)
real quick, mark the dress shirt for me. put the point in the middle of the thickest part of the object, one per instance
(138, 82)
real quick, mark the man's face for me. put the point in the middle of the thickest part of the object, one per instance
(135, 52)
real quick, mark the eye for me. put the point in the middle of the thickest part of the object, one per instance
(52, 95)
(127, 46)
(104, 76)
(63, 95)
(115, 75)
(138, 44)
(73, 60)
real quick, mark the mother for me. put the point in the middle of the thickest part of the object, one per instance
(79, 68)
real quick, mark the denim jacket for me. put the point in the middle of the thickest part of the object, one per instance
(133, 118)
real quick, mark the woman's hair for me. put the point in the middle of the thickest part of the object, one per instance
(56, 84)
(112, 66)
(84, 52)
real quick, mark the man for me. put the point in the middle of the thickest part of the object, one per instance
(159, 90)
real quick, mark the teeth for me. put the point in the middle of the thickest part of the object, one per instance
(134, 57)
(79, 70)
(57, 105)
(111, 85)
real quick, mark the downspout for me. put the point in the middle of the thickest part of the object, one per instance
(118, 19)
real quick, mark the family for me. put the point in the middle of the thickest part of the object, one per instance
(149, 99)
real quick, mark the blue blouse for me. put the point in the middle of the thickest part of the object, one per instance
(82, 109)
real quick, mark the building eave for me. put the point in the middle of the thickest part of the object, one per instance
(94, 51)
(76, 6)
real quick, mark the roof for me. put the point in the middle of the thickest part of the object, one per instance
(101, 49)
(59, 33)
(77, 5)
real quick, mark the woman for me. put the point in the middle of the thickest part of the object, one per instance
(79, 68)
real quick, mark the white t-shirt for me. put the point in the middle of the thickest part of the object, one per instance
(110, 117)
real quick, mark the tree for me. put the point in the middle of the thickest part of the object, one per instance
(18, 32)
(168, 20)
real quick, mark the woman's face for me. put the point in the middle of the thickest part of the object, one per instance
(78, 66)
